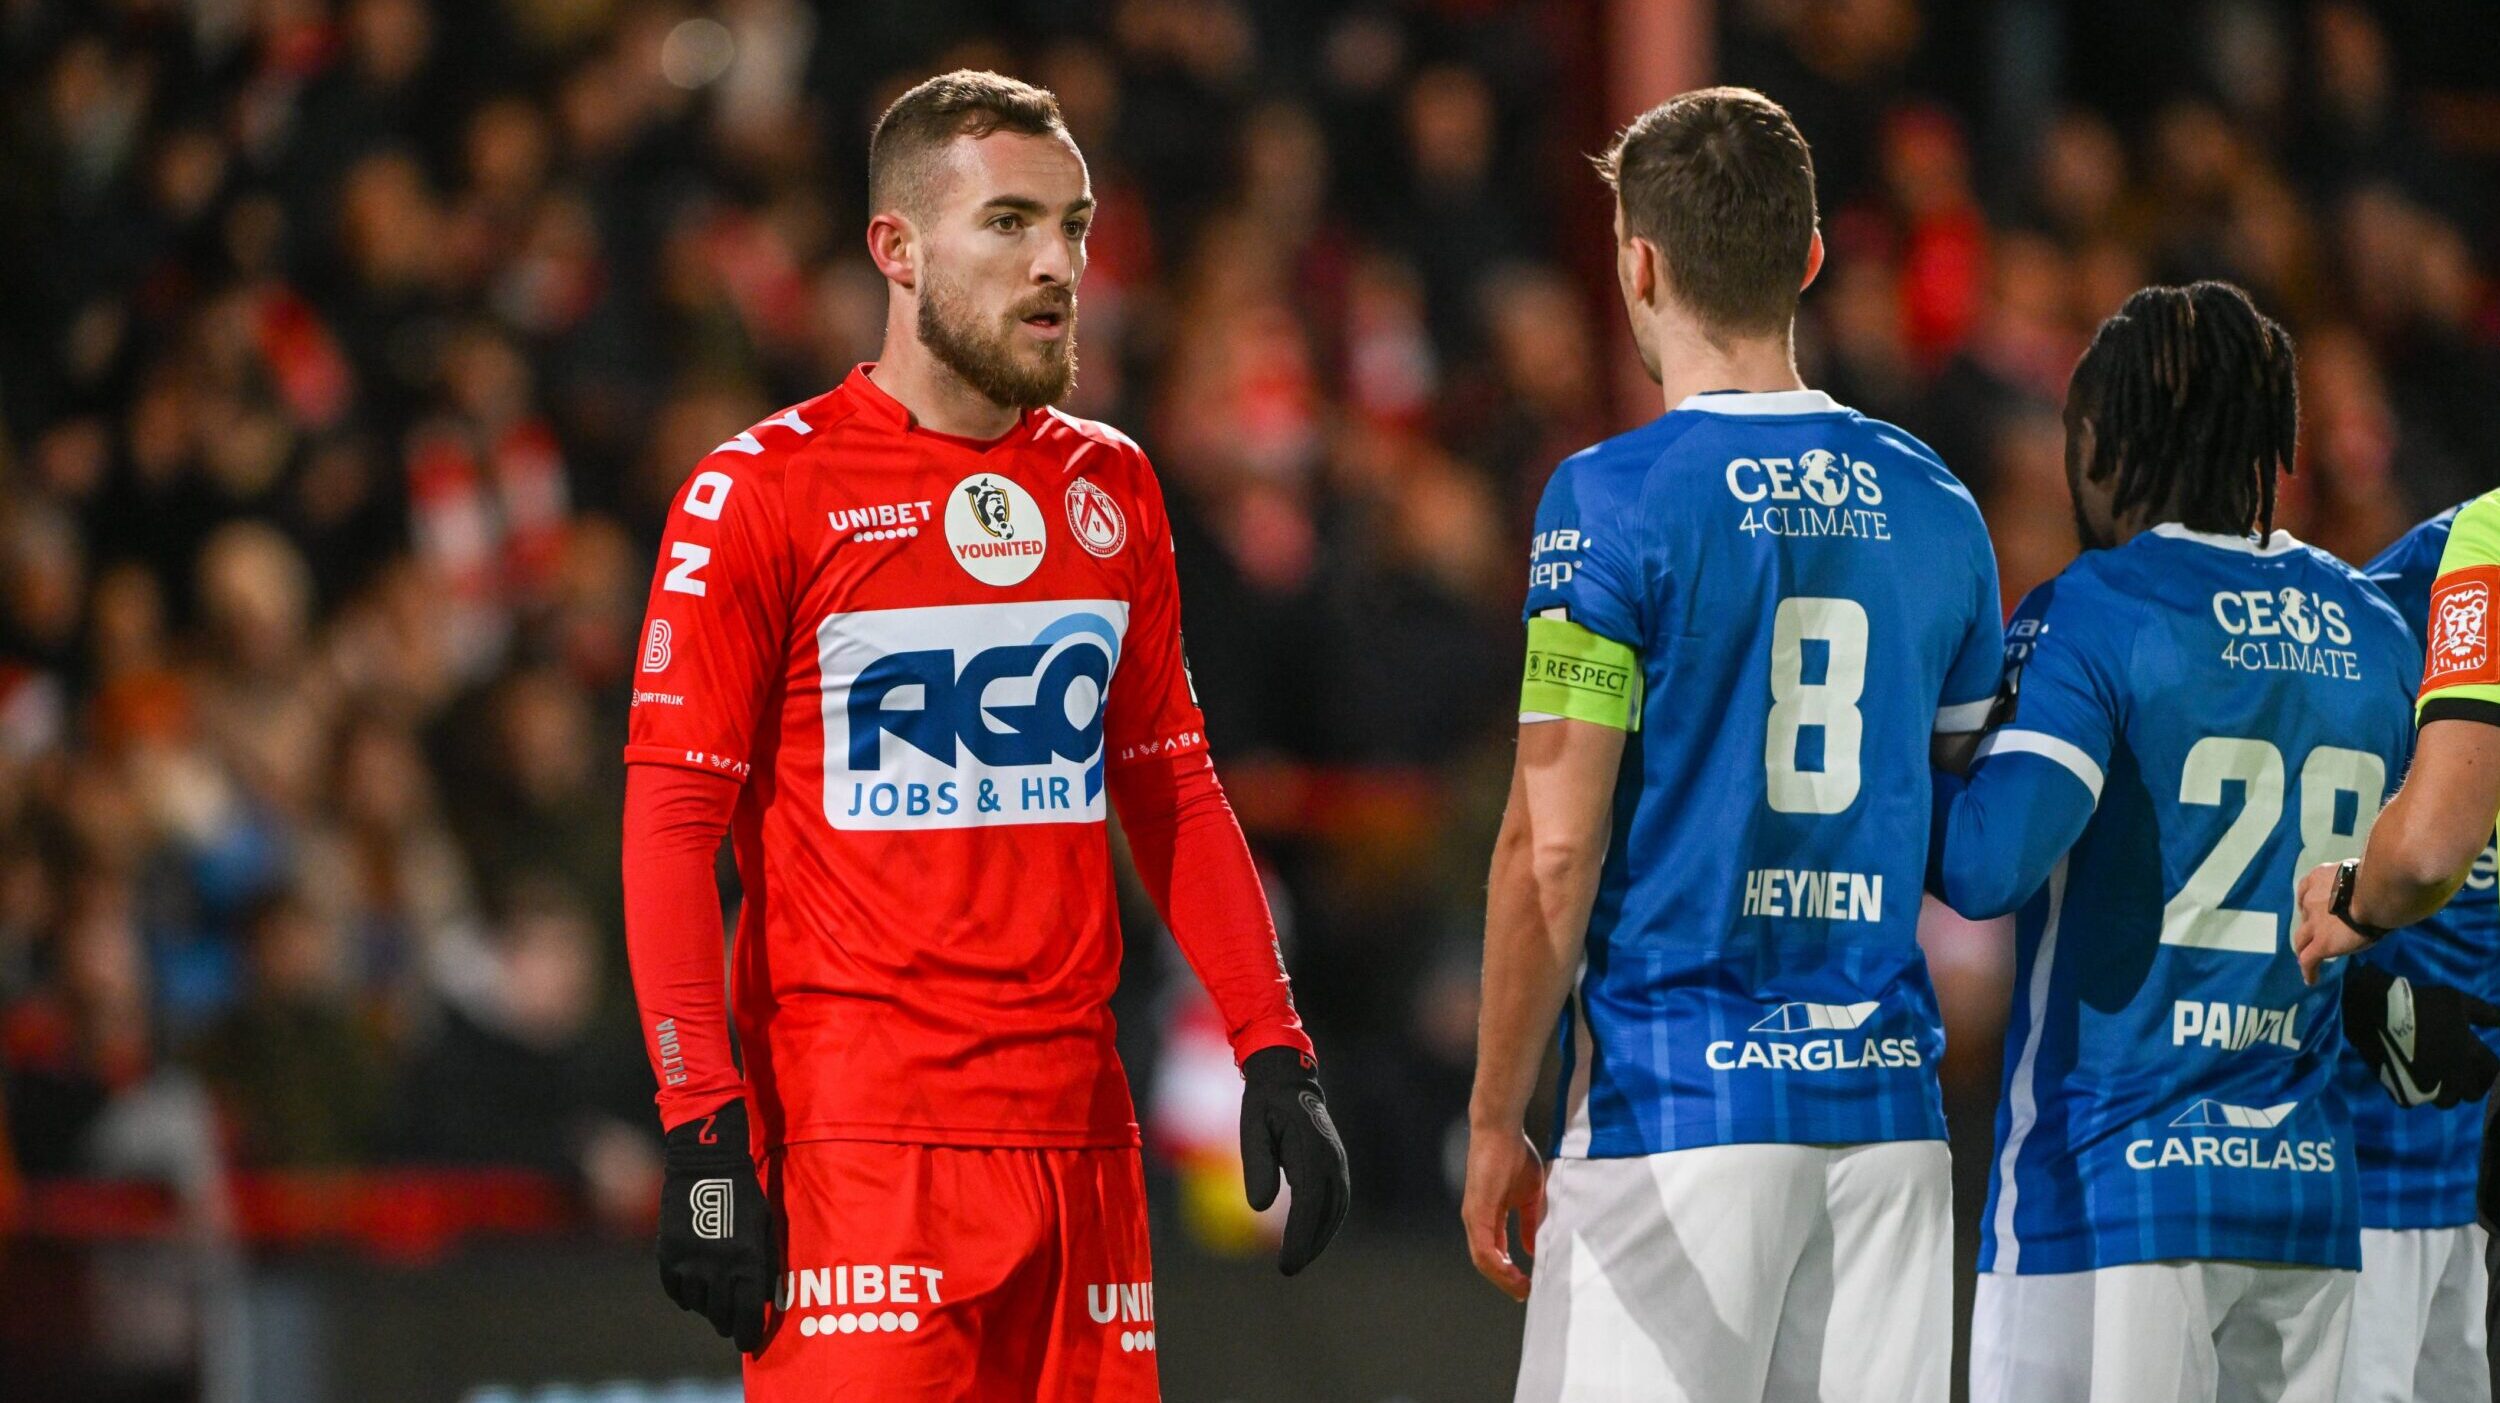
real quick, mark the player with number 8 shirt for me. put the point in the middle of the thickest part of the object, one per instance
(2197, 710)
(1748, 623)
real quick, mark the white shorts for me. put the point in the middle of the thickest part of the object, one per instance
(1736, 1273)
(2417, 1318)
(2161, 1332)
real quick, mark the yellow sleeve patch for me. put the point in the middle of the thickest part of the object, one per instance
(1580, 675)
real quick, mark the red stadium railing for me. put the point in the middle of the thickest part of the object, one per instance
(405, 1215)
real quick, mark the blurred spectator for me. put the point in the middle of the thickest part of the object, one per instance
(520, 1070)
(82, 1038)
(384, 867)
(296, 1066)
(544, 794)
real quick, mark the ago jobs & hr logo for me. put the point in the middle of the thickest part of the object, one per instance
(965, 715)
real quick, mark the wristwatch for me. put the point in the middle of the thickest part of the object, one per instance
(2340, 904)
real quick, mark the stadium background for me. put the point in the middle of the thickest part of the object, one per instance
(351, 352)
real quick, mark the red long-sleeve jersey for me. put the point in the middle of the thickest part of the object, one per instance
(923, 663)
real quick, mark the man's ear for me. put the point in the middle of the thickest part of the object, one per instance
(1643, 269)
(1814, 260)
(894, 246)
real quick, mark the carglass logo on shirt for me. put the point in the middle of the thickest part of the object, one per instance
(2211, 1134)
(1790, 1048)
(961, 716)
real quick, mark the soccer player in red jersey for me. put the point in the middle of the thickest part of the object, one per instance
(905, 640)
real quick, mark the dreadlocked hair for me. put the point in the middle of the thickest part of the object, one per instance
(2194, 406)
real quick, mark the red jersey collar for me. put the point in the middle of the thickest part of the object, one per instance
(875, 404)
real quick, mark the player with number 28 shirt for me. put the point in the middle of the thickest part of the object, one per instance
(2201, 709)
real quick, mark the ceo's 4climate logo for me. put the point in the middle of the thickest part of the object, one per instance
(961, 716)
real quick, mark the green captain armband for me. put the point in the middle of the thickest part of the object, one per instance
(1581, 675)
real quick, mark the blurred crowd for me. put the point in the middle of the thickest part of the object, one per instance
(355, 348)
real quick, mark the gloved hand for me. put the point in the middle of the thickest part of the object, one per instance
(1284, 1122)
(717, 1256)
(2419, 1038)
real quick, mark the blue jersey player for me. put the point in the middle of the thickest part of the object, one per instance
(2199, 710)
(2417, 1314)
(1747, 623)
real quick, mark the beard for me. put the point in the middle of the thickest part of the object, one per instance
(992, 358)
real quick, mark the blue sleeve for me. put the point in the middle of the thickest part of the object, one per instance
(1584, 559)
(1971, 683)
(2405, 570)
(1998, 835)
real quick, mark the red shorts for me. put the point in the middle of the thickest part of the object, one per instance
(925, 1271)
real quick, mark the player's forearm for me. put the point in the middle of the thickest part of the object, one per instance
(2410, 868)
(1196, 866)
(674, 820)
(1998, 835)
(2425, 841)
(1535, 932)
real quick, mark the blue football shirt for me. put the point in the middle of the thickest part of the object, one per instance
(2418, 1165)
(1805, 595)
(2196, 721)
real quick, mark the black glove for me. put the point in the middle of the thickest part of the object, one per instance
(1284, 1122)
(716, 1240)
(2419, 1038)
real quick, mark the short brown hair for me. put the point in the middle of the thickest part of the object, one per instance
(1721, 181)
(905, 142)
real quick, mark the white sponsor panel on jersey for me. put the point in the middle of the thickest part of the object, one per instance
(967, 715)
(994, 530)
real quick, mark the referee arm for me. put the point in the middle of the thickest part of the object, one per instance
(2422, 847)
(1545, 869)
